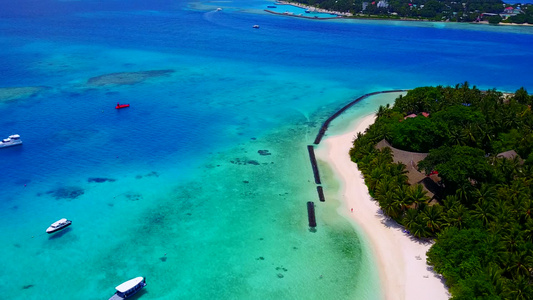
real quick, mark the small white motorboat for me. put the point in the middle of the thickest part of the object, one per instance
(129, 288)
(12, 140)
(58, 225)
(255, 26)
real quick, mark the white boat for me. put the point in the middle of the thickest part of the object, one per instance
(12, 140)
(255, 26)
(58, 225)
(129, 288)
(219, 9)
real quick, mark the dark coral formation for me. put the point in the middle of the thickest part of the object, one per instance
(127, 78)
(151, 174)
(133, 196)
(264, 152)
(100, 179)
(238, 161)
(68, 193)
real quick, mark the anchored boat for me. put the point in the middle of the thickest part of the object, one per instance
(58, 225)
(129, 288)
(12, 140)
(119, 106)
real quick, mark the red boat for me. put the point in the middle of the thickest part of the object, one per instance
(119, 106)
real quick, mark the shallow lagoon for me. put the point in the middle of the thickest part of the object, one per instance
(192, 204)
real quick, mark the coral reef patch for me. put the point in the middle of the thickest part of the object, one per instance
(264, 152)
(100, 179)
(68, 193)
(133, 196)
(126, 78)
(13, 93)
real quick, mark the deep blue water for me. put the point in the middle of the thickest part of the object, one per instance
(518, 1)
(189, 184)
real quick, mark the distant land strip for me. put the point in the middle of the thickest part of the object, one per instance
(322, 132)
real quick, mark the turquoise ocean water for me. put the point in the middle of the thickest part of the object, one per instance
(182, 195)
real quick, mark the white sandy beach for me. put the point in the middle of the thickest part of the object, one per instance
(401, 260)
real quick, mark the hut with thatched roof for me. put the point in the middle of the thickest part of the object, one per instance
(507, 154)
(410, 160)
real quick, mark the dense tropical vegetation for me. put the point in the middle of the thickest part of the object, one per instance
(437, 10)
(481, 219)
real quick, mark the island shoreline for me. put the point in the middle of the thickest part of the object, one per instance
(403, 270)
(347, 15)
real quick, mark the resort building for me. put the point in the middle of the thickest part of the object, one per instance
(382, 4)
(410, 160)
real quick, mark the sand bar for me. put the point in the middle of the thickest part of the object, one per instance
(401, 260)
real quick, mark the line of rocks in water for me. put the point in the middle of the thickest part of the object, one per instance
(301, 16)
(322, 132)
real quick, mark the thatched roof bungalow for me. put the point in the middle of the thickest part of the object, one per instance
(410, 160)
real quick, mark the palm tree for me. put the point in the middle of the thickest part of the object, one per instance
(485, 140)
(417, 195)
(510, 168)
(456, 216)
(385, 184)
(528, 230)
(450, 202)
(486, 193)
(456, 137)
(402, 198)
(384, 133)
(496, 278)
(470, 132)
(463, 192)
(509, 117)
(419, 228)
(521, 289)
(390, 206)
(375, 175)
(432, 216)
(511, 239)
(483, 211)
(387, 152)
(383, 111)
(489, 102)
(410, 219)
(398, 170)
(520, 263)
(516, 199)
(504, 219)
